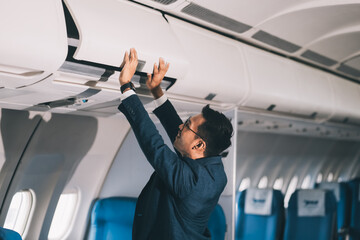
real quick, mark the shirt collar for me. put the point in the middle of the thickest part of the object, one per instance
(208, 160)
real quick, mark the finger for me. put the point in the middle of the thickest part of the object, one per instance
(167, 67)
(131, 54)
(156, 70)
(135, 54)
(148, 80)
(126, 57)
(161, 63)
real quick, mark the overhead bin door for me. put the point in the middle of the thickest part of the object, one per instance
(281, 85)
(216, 70)
(273, 84)
(108, 28)
(316, 98)
(33, 42)
(347, 99)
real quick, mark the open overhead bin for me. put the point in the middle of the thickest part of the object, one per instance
(285, 86)
(108, 28)
(216, 70)
(33, 43)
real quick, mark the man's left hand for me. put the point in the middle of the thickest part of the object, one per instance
(128, 65)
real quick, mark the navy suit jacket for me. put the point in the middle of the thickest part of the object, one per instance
(180, 195)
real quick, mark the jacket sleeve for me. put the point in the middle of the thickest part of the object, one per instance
(175, 173)
(169, 118)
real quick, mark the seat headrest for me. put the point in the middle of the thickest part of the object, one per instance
(109, 209)
(311, 202)
(333, 186)
(9, 234)
(258, 201)
(355, 186)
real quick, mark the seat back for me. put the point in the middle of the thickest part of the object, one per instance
(217, 224)
(112, 218)
(343, 199)
(355, 209)
(7, 234)
(260, 214)
(311, 214)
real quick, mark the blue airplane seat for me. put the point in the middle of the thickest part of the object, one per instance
(260, 214)
(311, 214)
(112, 218)
(7, 234)
(355, 209)
(217, 224)
(343, 198)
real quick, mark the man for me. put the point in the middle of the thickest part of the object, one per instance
(177, 201)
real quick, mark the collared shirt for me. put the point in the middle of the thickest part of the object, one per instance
(158, 102)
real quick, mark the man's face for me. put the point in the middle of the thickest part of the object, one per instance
(186, 138)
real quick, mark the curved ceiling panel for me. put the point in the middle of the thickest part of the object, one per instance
(338, 47)
(355, 62)
(351, 67)
(248, 11)
(303, 26)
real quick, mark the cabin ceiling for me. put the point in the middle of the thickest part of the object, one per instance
(71, 63)
(318, 32)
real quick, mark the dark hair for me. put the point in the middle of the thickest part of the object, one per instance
(217, 131)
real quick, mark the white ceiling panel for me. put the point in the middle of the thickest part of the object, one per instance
(250, 12)
(355, 63)
(303, 26)
(321, 32)
(338, 47)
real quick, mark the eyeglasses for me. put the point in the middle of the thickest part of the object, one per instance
(187, 125)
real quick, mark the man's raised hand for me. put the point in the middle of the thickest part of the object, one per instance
(128, 65)
(154, 80)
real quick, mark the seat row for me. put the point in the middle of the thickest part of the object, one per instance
(112, 218)
(331, 211)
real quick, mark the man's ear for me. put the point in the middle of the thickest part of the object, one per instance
(199, 145)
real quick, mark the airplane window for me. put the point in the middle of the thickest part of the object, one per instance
(63, 215)
(263, 182)
(291, 188)
(245, 183)
(18, 215)
(278, 184)
(319, 178)
(330, 177)
(341, 179)
(306, 182)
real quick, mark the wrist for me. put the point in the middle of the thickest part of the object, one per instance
(157, 92)
(127, 86)
(123, 81)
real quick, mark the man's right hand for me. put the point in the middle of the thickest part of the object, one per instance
(154, 80)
